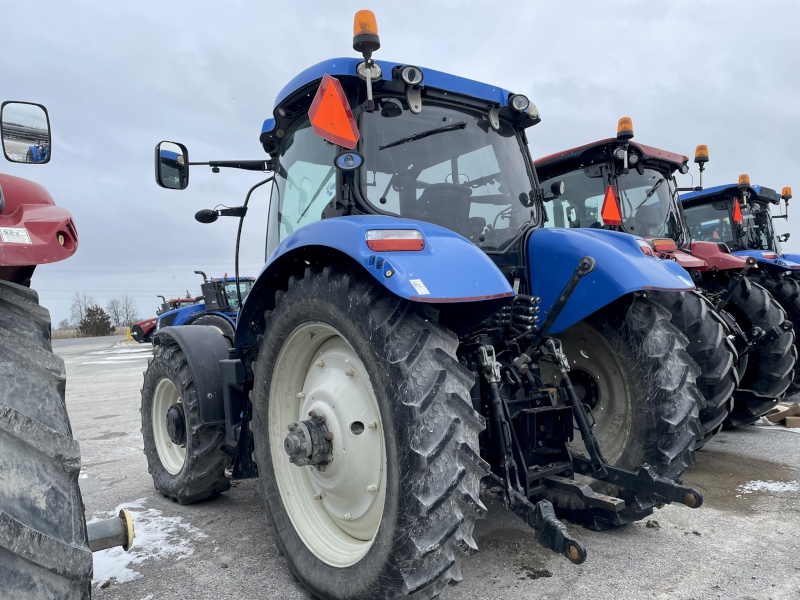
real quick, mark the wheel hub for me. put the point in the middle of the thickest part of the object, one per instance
(176, 424)
(309, 442)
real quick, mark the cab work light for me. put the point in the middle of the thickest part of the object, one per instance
(610, 212)
(394, 240)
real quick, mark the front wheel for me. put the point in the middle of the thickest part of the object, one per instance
(378, 495)
(184, 456)
(629, 364)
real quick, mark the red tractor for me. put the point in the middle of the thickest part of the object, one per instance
(143, 331)
(45, 545)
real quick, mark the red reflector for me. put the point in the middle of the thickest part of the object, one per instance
(737, 212)
(392, 240)
(769, 255)
(664, 244)
(330, 114)
(610, 212)
(646, 249)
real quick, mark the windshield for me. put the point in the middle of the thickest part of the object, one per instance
(230, 292)
(187, 303)
(447, 167)
(712, 222)
(645, 200)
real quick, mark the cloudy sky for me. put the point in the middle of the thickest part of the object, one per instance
(118, 77)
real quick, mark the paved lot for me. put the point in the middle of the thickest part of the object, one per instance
(743, 543)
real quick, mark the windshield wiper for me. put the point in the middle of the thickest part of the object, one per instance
(424, 134)
(319, 189)
(650, 193)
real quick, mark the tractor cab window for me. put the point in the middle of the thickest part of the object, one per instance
(645, 201)
(305, 178)
(230, 292)
(756, 230)
(447, 167)
(709, 223)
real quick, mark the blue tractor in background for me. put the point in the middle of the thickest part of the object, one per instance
(217, 307)
(38, 153)
(739, 216)
(401, 344)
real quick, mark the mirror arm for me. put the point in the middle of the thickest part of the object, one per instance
(247, 165)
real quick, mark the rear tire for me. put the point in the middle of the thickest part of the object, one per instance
(786, 291)
(713, 352)
(43, 547)
(770, 370)
(194, 470)
(631, 362)
(429, 439)
(218, 323)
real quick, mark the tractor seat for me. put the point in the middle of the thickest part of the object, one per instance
(648, 220)
(448, 205)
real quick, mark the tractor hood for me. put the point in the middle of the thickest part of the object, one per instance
(622, 268)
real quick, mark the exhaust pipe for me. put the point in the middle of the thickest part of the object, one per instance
(111, 532)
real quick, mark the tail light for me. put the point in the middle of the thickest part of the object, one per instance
(610, 212)
(645, 248)
(394, 240)
(769, 255)
(664, 245)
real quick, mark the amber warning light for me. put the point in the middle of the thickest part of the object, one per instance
(744, 180)
(701, 154)
(625, 128)
(330, 114)
(392, 240)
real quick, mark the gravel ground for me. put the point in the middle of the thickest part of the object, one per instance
(743, 543)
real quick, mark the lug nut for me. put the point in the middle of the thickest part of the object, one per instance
(348, 517)
(301, 395)
(318, 497)
(350, 372)
(312, 413)
(320, 363)
(372, 488)
(372, 425)
(329, 436)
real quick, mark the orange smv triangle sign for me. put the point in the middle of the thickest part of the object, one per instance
(330, 114)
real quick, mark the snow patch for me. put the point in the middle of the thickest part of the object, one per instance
(768, 486)
(157, 536)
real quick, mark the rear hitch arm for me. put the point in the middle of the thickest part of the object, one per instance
(550, 531)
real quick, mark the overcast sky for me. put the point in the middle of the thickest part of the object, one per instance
(118, 77)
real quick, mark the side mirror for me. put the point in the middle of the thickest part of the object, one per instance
(784, 237)
(172, 166)
(558, 187)
(25, 131)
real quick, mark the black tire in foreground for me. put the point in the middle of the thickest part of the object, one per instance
(786, 291)
(711, 349)
(43, 546)
(219, 323)
(770, 370)
(184, 456)
(629, 364)
(426, 428)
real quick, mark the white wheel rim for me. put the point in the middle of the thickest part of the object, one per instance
(172, 456)
(336, 512)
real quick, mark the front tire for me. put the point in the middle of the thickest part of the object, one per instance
(43, 546)
(338, 343)
(188, 467)
(631, 367)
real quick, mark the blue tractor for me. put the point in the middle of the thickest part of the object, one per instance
(739, 216)
(217, 307)
(401, 344)
(38, 153)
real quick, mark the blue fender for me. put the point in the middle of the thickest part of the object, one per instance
(779, 264)
(184, 315)
(450, 270)
(621, 268)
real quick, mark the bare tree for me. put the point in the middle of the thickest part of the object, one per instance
(128, 312)
(114, 310)
(80, 304)
(63, 324)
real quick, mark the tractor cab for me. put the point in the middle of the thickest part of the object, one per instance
(615, 184)
(739, 215)
(220, 293)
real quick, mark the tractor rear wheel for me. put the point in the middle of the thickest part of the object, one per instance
(43, 547)
(711, 349)
(392, 509)
(184, 456)
(786, 291)
(630, 366)
(770, 370)
(220, 324)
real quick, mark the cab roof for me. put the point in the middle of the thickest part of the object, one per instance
(300, 91)
(600, 151)
(762, 193)
(229, 279)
